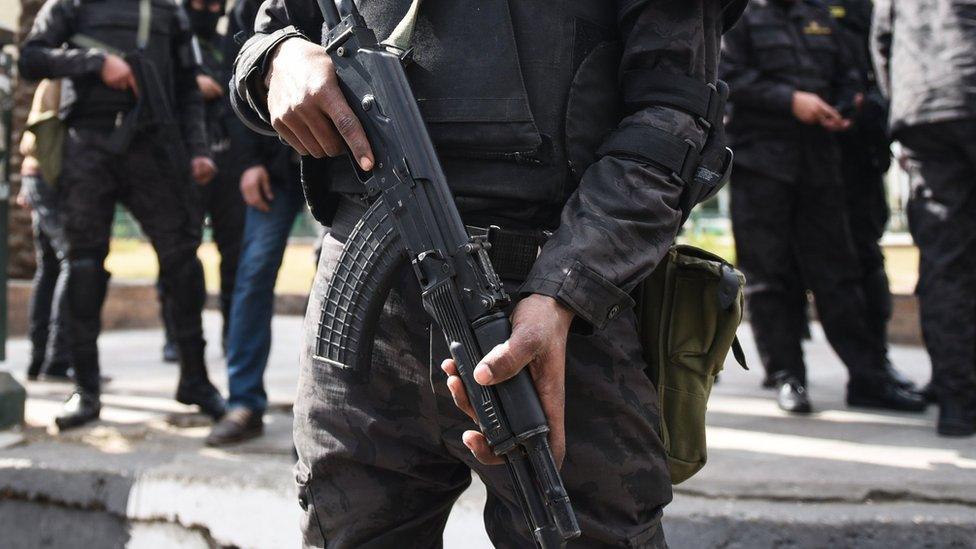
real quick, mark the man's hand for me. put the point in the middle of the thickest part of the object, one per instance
(256, 188)
(203, 169)
(209, 88)
(809, 108)
(117, 74)
(307, 108)
(540, 326)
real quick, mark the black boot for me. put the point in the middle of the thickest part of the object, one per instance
(34, 369)
(898, 378)
(81, 407)
(171, 355)
(883, 394)
(792, 397)
(928, 393)
(957, 418)
(195, 387)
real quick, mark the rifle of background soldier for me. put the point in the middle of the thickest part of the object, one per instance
(117, 74)
(307, 109)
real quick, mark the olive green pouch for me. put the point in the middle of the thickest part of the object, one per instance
(689, 310)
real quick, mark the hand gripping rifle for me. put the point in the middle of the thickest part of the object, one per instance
(413, 217)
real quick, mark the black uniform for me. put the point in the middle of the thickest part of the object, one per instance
(788, 208)
(221, 198)
(925, 51)
(144, 177)
(865, 157)
(521, 100)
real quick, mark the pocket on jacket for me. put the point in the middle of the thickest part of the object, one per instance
(594, 108)
(472, 113)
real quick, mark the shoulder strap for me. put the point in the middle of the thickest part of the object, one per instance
(403, 33)
(145, 24)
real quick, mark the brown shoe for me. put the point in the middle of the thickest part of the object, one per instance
(237, 425)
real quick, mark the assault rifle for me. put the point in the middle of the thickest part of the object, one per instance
(413, 218)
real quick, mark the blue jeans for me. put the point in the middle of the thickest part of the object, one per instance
(252, 304)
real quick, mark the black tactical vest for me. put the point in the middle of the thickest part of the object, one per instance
(517, 96)
(115, 23)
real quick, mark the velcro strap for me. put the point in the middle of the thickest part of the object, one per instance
(646, 87)
(650, 144)
(512, 253)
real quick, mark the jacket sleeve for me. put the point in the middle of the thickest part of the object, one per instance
(747, 84)
(191, 112)
(42, 54)
(624, 215)
(276, 21)
(881, 33)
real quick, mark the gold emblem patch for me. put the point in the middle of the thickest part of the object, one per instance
(838, 11)
(815, 28)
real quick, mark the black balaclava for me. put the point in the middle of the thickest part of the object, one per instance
(204, 22)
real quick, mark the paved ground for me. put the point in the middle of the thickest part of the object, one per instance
(141, 477)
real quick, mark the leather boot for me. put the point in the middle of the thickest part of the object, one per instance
(899, 378)
(195, 388)
(884, 394)
(792, 397)
(80, 408)
(957, 418)
(928, 393)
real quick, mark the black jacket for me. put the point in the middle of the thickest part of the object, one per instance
(518, 97)
(46, 53)
(925, 54)
(778, 48)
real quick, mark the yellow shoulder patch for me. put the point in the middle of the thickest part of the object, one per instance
(838, 11)
(815, 28)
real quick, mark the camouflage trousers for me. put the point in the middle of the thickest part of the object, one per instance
(942, 218)
(381, 461)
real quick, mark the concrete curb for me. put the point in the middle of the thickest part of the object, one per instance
(218, 510)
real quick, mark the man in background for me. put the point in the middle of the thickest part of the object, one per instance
(925, 54)
(270, 185)
(865, 157)
(134, 136)
(786, 66)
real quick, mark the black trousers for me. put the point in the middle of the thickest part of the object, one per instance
(867, 215)
(222, 203)
(942, 218)
(47, 315)
(792, 236)
(163, 201)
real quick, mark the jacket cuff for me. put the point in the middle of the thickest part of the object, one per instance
(93, 61)
(781, 99)
(591, 296)
(250, 97)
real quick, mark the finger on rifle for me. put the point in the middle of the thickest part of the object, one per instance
(285, 133)
(301, 130)
(456, 387)
(549, 378)
(478, 444)
(325, 133)
(350, 129)
(505, 360)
